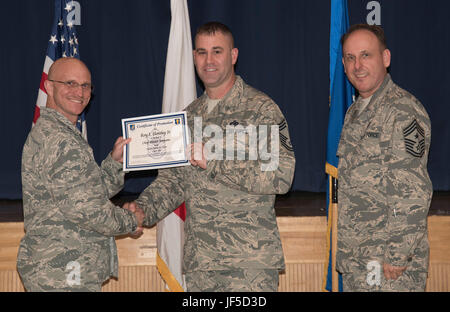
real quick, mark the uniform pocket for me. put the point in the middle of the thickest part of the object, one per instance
(370, 145)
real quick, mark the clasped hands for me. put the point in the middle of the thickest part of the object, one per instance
(199, 159)
(140, 216)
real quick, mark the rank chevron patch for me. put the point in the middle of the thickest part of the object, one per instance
(414, 137)
(282, 126)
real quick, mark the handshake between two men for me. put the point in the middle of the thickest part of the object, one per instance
(199, 159)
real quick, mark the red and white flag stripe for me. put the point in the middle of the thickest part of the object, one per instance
(42, 95)
(179, 91)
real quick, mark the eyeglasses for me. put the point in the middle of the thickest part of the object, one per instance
(74, 85)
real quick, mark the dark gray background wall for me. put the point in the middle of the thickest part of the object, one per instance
(283, 51)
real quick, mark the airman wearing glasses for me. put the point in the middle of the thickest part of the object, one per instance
(69, 221)
(63, 88)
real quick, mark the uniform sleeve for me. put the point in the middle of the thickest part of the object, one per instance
(408, 187)
(112, 175)
(78, 186)
(163, 195)
(272, 171)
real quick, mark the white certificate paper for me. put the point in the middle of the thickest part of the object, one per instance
(157, 141)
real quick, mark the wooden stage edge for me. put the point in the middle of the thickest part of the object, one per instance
(292, 204)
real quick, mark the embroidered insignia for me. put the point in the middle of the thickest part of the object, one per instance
(414, 137)
(234, 123)
(282, 127)
(375, 135)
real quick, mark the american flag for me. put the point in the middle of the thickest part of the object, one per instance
(63, 42)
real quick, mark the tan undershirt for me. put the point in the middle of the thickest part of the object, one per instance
(211, 103)
(365, 102)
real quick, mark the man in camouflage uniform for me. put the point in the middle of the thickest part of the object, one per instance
(68, 218)
(384, 188)
(232, 241)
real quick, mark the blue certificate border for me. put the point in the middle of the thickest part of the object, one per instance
(127, 121)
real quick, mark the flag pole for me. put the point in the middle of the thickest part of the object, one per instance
(334, 207)
(341, 93)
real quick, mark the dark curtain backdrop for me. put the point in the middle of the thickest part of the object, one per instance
(283, 51)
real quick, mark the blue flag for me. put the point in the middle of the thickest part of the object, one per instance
(341, 94)
(62, 42)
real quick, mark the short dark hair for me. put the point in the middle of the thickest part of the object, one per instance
(211, 28)
(374, 29)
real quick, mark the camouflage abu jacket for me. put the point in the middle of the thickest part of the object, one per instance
(68, 216)
(230, 221)
(384, 187)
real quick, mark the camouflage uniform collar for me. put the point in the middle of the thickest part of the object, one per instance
(356, 111)
(235, 92)
(54, 114)
(387, 82)
(228, 100)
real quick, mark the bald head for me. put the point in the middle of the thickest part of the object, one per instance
(65, 63)
(68, 87)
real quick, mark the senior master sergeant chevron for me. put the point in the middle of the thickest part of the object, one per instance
(232, 241)
(384, 187)
(69, 220)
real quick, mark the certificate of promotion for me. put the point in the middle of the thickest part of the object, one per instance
(157, 141)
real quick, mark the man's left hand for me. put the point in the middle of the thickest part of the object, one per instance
(117, 152)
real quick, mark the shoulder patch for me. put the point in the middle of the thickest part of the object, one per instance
(414, 137)
(284, 136)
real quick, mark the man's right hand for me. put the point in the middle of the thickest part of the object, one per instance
(196, 155)
(140, 216)
(392, 272)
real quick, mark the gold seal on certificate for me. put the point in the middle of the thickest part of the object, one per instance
(157, 141)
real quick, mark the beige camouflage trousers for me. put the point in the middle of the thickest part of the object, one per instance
(244, 280)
